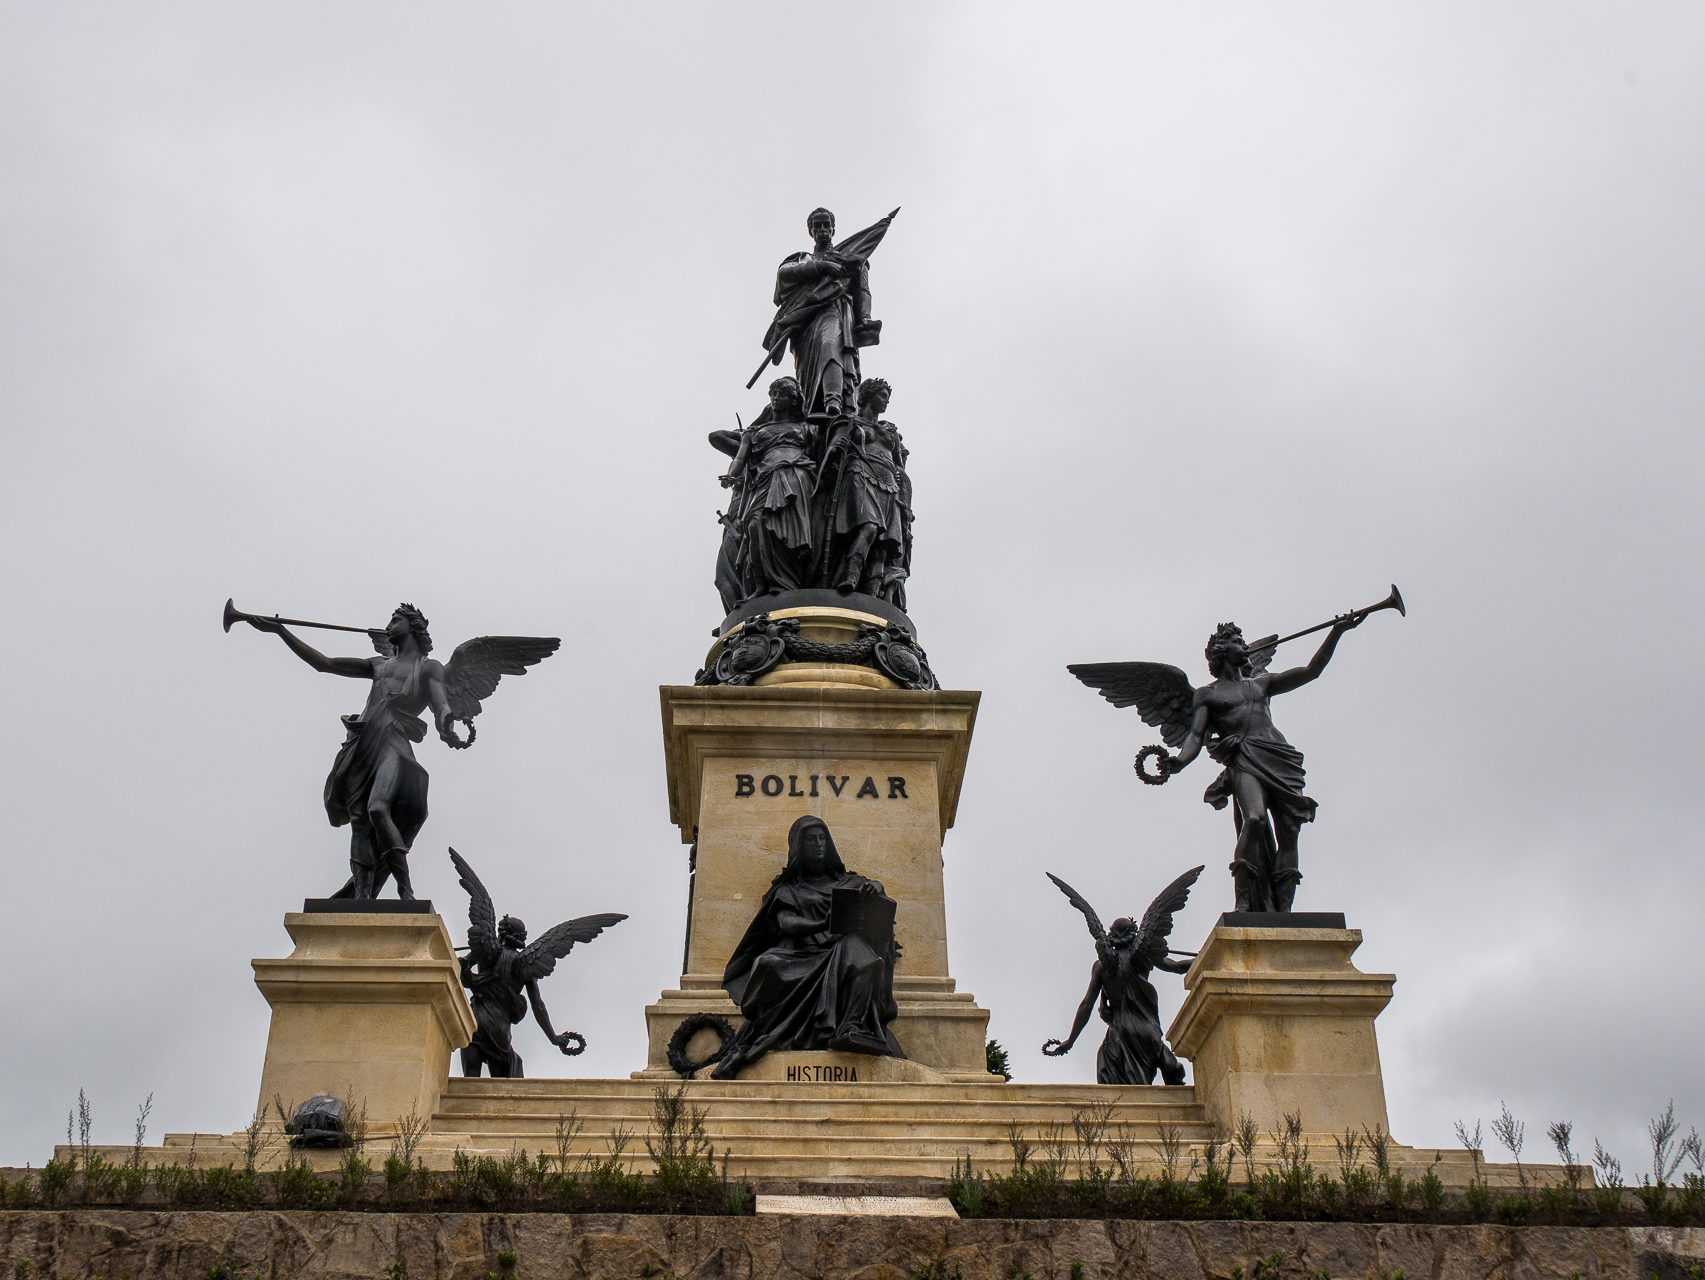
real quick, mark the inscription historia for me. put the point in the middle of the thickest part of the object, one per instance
(822, 1075)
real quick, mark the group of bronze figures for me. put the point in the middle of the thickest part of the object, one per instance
(819, 496)
(820, 500)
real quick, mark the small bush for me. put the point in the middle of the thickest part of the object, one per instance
(965, 1189)
(299, 1187)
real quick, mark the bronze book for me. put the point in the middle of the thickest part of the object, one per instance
(871, 917)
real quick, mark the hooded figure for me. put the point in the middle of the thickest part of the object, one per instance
(800, 987)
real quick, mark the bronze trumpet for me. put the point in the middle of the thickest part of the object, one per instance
(1392, 601)
(234, 614)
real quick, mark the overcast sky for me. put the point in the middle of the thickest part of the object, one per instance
(1192, 313)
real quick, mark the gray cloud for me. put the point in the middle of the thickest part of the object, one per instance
(1190, 316)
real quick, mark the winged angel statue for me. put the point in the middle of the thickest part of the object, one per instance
(1134, 1048)
(376, 787)
(1232, 717)
(501, 973)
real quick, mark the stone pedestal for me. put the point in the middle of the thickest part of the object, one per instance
(883, 768)
(368, 1006)
(1279, 1020)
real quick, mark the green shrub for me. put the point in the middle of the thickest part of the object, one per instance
(1514, 1211)
(965, 1189)
(1478, 1199)
(299, 1187)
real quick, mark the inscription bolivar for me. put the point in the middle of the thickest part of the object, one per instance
(747, 784)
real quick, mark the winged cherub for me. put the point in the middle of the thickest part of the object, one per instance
(1134, 1048)
(1233, 719)
(501, 973)
(376, 787)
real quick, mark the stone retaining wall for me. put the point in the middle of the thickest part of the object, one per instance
(270, 1245)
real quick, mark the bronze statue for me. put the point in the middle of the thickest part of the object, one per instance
(376, 787)
(865, 542)
(773, 478)
(1232, 717)
(1134, 1047)
(502, 978)
(822, 303)
(802, 985)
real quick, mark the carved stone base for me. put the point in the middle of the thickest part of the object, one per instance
(883, 768)
(368, 1006)
(942, 1030)
(1279, 1021)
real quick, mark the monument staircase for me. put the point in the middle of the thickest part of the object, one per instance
(776, 1129)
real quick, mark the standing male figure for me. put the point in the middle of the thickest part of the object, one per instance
(822, 303)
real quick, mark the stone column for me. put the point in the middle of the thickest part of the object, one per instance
(369, 1005)
(883, 768)
(1279, 1020)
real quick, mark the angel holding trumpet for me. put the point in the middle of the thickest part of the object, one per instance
(1232, 719)
(376, 787)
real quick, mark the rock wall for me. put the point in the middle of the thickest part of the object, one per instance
(270, 1245)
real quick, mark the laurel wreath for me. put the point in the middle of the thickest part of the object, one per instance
(1053, 1048)
(579, 1040)
(1153, 779)
(679, 1062)
(459, 745)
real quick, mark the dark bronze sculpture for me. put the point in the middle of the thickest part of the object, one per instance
(815, 503)
(1134, 1047)
(800, 983)
(823, 309)
(819, 496)
(502, 973)
(376, 787)
(865, 543)
(1232, 717)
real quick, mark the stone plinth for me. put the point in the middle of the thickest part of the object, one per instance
(369, 1006)
(829, 1067)
(883, 768)
(1279, 1020)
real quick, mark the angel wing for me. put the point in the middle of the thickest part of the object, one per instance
(1161, 693)
(482, 916)
(477, 665)
(1261, 654)
(1156, 927)
(382, 644)
(1090, 918)
(540, 957)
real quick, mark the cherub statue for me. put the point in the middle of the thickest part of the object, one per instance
(376, 787)
(1134, 1048)
(1232, 718)
(502, 976)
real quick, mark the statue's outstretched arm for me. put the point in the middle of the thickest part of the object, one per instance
(1296, 677)
(1086, 1008)
(541, 1015)
(355, 668)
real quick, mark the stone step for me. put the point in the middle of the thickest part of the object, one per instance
(812, 1109)
(725, 1129)
(769, 1092)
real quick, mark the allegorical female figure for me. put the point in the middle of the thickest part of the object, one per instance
(799, 986)
(868, 512)
(776, 477)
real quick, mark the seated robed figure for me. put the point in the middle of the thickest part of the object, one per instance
(800, 986)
